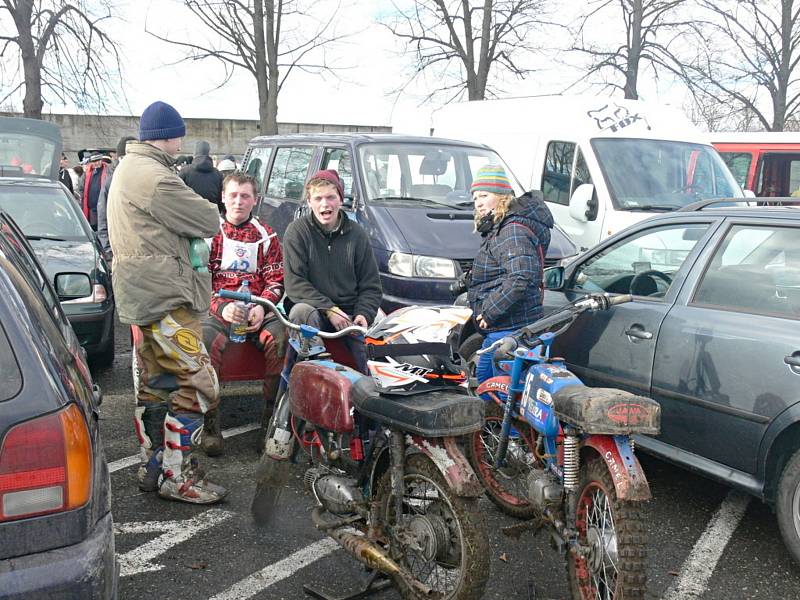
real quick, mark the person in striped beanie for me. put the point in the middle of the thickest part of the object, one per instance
(505, 287)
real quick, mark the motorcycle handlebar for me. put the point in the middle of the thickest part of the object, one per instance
(251, 299)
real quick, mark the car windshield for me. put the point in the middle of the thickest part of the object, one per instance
(661, 175)
(43, 212)
(429, 174)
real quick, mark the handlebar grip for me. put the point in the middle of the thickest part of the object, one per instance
(621, 299)
(505, 349)
(231, 295)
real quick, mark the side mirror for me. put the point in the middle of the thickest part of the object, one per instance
(348, 202)
(71, 286)
(583, 204)
(554, 278)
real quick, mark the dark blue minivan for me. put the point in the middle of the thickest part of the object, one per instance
(411, 194)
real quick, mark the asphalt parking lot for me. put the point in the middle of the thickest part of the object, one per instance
(704, 540)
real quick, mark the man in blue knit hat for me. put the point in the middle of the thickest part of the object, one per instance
(161, 286)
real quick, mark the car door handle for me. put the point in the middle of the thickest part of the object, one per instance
(638, 332)
(792, 360)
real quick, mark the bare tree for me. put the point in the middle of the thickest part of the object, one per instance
(59, 48)
(469, 40)
(255, 35)
(751, 59)
(652, 29)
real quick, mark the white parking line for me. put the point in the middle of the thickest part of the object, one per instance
(692, 581)
(133, 460)
(140, 559)
(260, 580)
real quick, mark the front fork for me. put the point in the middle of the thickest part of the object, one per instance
(509, 412)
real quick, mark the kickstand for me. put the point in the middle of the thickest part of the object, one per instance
(374, 582)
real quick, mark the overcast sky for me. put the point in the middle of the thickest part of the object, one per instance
(371, 64)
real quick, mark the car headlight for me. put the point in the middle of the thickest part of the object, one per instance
(411, 265)
(98, 295)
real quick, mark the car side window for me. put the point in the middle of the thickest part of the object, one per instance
(257, 164)
(557, 175)
(739, 164)
(581, 173)
(756, 269)
(339, 159)
(643, 264)
(289, 170)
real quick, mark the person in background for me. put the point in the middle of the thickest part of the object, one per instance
(244, 250)
(102, 202)
(203, 177)
(506, 286)
(89, 186)
(226, 166)
(330, 270)
(63, 173)
(161, 283)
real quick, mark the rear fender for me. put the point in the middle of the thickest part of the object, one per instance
(623, 466)
(451, 462)
(495, 388)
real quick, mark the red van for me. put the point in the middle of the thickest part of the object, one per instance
(764, 162)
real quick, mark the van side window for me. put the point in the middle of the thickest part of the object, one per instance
(257, 165)
(581, 173)
(558, 172)
(339, 159)
(739, 164)
(289, 172)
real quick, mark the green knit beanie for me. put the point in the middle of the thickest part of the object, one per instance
(492, 178)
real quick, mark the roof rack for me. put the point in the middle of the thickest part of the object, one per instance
(701, 204)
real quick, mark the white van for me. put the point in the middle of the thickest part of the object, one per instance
(602, 164)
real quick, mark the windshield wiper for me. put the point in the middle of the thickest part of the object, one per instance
(408, 199)
(648, 207)
(45, 237)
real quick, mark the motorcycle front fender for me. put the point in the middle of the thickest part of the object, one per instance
(626, 472)
(495, 388)
(451, 462)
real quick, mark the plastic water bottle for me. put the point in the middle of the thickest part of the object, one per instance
(239, 330)
(199, 254)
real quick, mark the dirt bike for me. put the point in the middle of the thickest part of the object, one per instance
(559, 453)
(391, 484)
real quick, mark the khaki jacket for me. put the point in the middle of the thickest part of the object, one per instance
(152, 215)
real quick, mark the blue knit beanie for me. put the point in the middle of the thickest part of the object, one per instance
(160, 121)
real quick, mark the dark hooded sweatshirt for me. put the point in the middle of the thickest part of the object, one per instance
(506, 280)
(202, 177)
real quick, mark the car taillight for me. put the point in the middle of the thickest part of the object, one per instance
(46, 465)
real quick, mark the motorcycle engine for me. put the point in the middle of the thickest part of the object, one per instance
(338, 494)
(544, 490)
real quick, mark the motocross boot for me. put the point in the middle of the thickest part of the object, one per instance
(182, 479)
(270, 391)
(211, 440)
(148, 421)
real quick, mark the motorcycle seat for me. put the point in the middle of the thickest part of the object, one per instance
(607, 411)
(429, 414)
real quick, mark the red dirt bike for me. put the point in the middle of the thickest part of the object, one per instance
(389, 478)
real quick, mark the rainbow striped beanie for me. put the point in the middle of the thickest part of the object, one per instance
(492, 178)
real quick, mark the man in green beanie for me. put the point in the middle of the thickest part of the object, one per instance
(152, 219)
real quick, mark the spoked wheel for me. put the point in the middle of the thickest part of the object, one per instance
(614, 567)
(506, 487)
(440, 538)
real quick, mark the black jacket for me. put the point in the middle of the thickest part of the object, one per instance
(327, 269)
(204, 179)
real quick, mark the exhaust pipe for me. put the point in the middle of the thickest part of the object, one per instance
(370, 554)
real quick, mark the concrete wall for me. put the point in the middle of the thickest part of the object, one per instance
(226, 136)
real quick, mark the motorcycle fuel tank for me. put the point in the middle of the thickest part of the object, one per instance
(319, 392)
(536, 403)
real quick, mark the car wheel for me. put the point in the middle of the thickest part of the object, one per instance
(104, 358)
(468, 352)
(787, 505)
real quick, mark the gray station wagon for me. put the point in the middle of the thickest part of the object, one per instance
(713, 334)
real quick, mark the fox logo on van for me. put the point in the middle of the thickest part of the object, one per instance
(613, 117)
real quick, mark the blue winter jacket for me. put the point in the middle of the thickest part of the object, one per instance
(506, 281)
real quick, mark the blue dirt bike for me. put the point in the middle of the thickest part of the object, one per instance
(559, 452)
